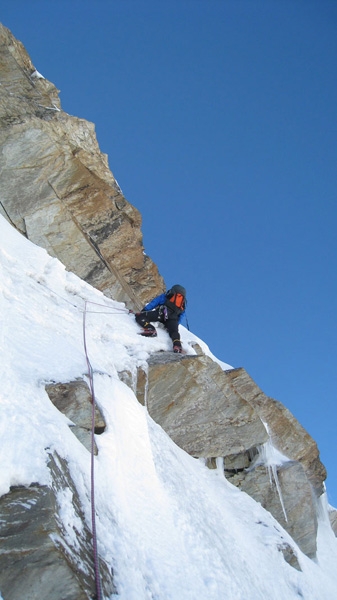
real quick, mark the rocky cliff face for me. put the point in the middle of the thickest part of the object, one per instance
(57, 189)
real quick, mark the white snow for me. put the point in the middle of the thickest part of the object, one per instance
(171, 528)
(37, 75)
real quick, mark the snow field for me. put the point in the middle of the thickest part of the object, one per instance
(170, 528)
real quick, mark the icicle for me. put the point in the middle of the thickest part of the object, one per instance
(279, 491)
(134, 380)
(271, 459)
(219, 461)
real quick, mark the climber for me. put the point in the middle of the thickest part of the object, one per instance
(169, 309)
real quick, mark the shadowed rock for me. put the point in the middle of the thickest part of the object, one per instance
(37, 557)
(287, 434)
(295, 496)
(74, 400)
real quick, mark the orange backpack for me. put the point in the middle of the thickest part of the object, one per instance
(178, 300)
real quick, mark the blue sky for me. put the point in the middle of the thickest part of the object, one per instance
(219, 120)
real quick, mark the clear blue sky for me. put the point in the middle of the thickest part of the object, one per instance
(219, 120)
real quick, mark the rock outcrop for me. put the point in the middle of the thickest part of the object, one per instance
(74, 400)
(57, 189)
(40, 558)
(287, 435)
(193, 401)
(214, 414)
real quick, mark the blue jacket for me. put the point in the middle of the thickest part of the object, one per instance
(158, 301)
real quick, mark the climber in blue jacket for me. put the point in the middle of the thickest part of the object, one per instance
(169, 309)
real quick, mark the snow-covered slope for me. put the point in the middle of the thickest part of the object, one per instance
(171, 528)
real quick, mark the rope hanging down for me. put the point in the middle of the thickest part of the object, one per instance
(93, 512)
(110, 310)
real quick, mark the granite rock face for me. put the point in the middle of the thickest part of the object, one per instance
(57, 188)
(214, 414)
(37, 558)
(191, 399)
